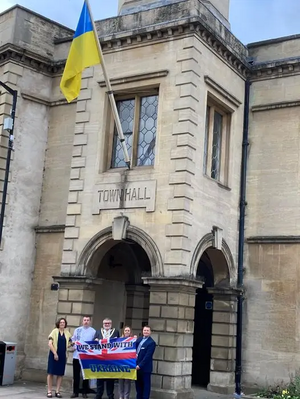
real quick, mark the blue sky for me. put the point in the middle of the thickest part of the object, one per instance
(251, 20)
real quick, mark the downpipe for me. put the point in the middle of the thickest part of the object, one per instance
(240, 276)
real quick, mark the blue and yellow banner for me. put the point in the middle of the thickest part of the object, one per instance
(108, 358)
(84, 52)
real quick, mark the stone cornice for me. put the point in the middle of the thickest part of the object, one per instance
(50, 229)
(157, 33)
(41, 100)
(135, 78)
(273, 240)
(274, 106)
(76, 282)
(173, 283)
(10, 52)
(275, 69)
(224, 93)
(177, 30)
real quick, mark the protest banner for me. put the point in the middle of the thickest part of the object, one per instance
(108, 358)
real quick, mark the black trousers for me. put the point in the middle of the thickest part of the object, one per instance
(110, 383)
(76, 378)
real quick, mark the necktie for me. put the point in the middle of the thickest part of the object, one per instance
(140, 345)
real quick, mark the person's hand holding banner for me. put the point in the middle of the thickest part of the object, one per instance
(108, 358)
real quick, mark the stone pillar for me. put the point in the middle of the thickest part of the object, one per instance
(137, 310)
(171, 316)
(75, 299)
(222, 366)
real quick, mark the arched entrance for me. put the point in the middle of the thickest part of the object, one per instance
(203, 324)
(121, 294)
(214, 314)
(114, 262)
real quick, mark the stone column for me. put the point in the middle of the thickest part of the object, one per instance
(171, 316)
(137, 310)
(222, 366)
(76, 298)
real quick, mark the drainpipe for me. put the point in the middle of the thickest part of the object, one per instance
(10, 130)
(240, 282)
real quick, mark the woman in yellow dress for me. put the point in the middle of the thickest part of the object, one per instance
(59, 341)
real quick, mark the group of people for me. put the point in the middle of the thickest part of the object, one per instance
(60, 339)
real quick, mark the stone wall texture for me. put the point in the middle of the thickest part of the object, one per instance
(53, 228)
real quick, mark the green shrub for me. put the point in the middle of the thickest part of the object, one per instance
(282, 391)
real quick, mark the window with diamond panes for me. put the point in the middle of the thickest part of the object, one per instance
(138, 117)
(216, 143)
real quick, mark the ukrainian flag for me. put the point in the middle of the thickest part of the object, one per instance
(83, 53)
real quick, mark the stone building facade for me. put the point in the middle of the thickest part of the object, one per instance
(158, 243)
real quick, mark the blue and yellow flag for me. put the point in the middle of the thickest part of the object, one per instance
(83, 54)
(108, 358)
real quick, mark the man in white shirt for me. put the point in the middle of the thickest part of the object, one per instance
(82, 333)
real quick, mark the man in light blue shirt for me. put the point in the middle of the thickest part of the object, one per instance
(82, 333)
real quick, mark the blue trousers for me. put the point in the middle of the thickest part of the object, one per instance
(143, 385)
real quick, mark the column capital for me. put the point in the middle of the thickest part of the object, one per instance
(78, 283)
(173, 283)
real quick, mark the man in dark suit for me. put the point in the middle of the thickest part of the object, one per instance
(145, 347)
(104, 333)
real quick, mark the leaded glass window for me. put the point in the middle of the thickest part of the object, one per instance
(138, 118)
(126, 114)
(216, 144)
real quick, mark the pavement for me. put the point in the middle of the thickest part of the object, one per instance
(30, 390)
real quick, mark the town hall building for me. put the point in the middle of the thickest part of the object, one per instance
(200, 237)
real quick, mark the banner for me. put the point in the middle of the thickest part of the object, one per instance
(108, 358)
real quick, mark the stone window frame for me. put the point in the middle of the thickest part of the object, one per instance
(137, 93)
(214, 106)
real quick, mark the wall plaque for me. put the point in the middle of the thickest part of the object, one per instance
(140, 194)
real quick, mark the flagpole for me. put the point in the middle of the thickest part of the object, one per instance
(110, 92)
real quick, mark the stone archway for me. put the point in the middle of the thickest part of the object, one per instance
(122, 296)
(208, 241)
(88, 261)
(213, 262)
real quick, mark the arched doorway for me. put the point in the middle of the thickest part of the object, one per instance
(114, 268)
(212, 266)
(122, 296)
(203, 324)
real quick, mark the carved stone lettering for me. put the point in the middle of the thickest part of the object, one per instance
(139, 194)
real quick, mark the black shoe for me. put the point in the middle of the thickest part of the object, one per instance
(75, 395)
(84, 395)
